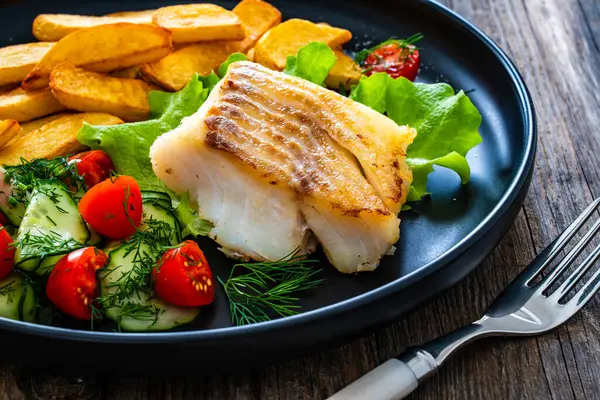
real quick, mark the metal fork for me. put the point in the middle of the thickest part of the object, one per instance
(525, 308)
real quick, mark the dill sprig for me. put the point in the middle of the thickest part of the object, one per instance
(267, 288)
(26, 176)
(407, 44)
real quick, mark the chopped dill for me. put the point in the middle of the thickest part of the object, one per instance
(26, 176)
(266, 288)
(45, 244)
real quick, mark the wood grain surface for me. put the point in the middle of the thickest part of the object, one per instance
(556, 46)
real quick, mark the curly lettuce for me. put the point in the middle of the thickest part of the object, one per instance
(447, 123)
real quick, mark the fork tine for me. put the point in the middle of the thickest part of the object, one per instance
(581, 270)
(551, 278)
(550, 252)
(587, 291)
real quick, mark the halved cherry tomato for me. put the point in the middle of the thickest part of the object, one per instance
(7, 253)
(72, 285)
(395, 59)
(113, 207)
(183, 277)
(94, 166)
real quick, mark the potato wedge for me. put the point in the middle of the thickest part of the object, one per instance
(82, 90)
(175, 70)
(18, 60)
(199, 23)
(101, 49)
(53, 27)
(54, 139)
(25, 106)
(257, 17)
(38, 123)
(287, 38)
(143, 14)
(250, 54)
(9, 128)
(345, 72)
(129, 73)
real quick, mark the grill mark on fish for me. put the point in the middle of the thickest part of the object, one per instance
(304, 137)
(329, 118)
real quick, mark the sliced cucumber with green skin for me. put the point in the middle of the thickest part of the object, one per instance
(141, 311)
(47, 263)
(13, 212)
(153, 210)
(51, 227)
(162, 198)
(17, 298)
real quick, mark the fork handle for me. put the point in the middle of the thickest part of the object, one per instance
(398, 377)
(393, 380)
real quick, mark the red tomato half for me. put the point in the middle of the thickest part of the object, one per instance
(94, 166)
(113, 207)
(394, 59)
(7, 253)
(183, 277)
(72, 285)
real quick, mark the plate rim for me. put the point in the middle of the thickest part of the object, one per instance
(348, 305)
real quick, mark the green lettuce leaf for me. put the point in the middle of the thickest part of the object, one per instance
(371, 92)
(209, 81)
(128, 145)
(231, 59)
(313, 62)
(447, 123)
(190, 221)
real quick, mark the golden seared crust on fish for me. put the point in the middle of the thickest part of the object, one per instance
(286, 111)
(335, 163)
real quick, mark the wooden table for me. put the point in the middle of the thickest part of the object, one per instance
(556, 45)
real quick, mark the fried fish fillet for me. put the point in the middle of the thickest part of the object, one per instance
(273, 158)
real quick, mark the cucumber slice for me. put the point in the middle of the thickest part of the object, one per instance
(51, 227)
(17, 298)
(154, 211)
(14, 214)
(161, 198)
(136, 310)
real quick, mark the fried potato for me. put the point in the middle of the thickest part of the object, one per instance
(25, 106)
(101, 49)
(53, 27)
(345, 72)
(287, 38)
(257, 17)
(18, 60)
(9, 128)
(38, 123)
(129, 73)
(134, 14)
(82, 90)
(199, 23)
(175, 70)
(250, 54)
(54, 139)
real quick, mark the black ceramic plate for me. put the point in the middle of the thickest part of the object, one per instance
(445, 239)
